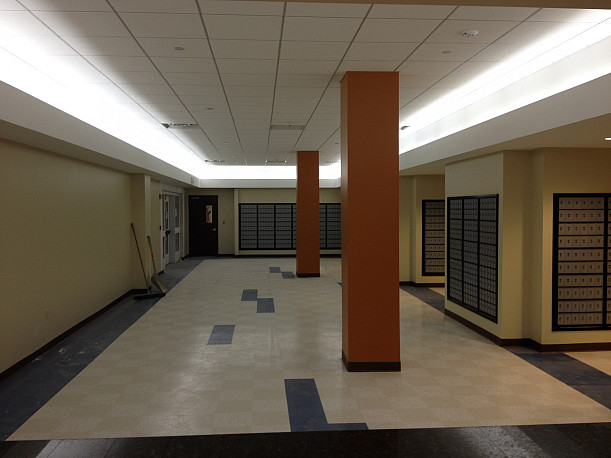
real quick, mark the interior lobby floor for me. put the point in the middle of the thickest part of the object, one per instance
(242, 346)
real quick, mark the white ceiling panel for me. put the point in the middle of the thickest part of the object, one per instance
(30, 46)
(193, 78)
(198, 89)
(241, 79)
(293, 110)
(396, 30)
(458, 52)
(368, 66)
(252, 124)
(326, 9)
(136, 77)
(71, 69)
(66, 5)
(311, 92)
(141, 89)
(245, 49)
(492, 13)
(209, 100)
(487, 31)
(303, 80)
(429, 97)
(162, 25)
(320, 29)
(496, 52)
(165, 47)
(290, 118)
(462, 75)
(307, 67)
(306, 102)
(263, 109)
(415, 67)
(249, 91)
(22, 23)
(184, 64)
(10, 5)
(407, 94)
(243, 8)
(417, 81)
(154, 6)
(570, 15)
(380, 51)
(411, 11)
(155, 98)
(84, 24)
(110, 64)
(257, 101)
(247, 66)
(105, 46)
(530, 32)
(225, 27)
(313, 50)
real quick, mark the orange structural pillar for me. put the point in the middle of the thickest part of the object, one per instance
(370, 221)
(308, 215)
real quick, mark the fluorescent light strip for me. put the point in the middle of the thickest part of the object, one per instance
(501, 77)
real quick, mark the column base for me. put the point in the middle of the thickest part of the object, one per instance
(376, 366)
(307, 275)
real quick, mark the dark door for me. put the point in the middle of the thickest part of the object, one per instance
(203, 226)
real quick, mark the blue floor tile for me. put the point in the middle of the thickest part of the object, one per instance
(288, 275)
(265, 305)
(222, 334)
(250, 294)
(274, 270)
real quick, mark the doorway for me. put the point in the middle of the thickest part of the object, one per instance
(171, 228)
(203, 226)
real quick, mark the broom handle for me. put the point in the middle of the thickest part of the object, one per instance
(140, 257)
(148, 239)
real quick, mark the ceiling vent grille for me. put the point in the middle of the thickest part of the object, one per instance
(286, 127)
(214, 161)
(180, 125)
(275, 162)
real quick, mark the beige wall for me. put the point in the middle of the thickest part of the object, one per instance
(567, 170)
(406, 197)
(66, 245)
(479, 176)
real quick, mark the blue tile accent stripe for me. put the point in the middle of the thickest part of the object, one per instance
(265, 305)
(305, 408)
(578, 375)
(249, 294)
(426, 295)
(274, 270)
(222, 334)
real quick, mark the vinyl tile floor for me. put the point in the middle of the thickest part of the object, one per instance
(169, 375)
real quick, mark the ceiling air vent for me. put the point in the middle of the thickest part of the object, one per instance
(275, 162)
(180, 125)
(214, 161)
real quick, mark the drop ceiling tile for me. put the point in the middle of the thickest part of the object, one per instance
(242, 8)
(136, 77)
(225, 27)
(247, 66)
(66, 5)
(10, 5)
(252, 124)
(209, 100)
(417, 81)
(111, 64)
(492, 13)
(198, 89)
(459, 52)
(83, 24)
(192, 78)
(428, 97)
(303, 80)
(22, 23)
(368, 66)
(531, 32)
(162, 25)
(293, 119)
(258, 101)
(154, 6)
(105, 46)
(320, 29)
(33, 46)
(211, 124)
(312, 92)
(326, 9)
(570, 15)
(380, 51)
(184, 64)
(488, 31)
(396, 30)
(407, 94)
(164, 47)
(155, 98)
(415, 67)
(411, 11)
(293, 110)
(250, 116)
(496, 52)
(308, 103)
(244, 49)
(264, 109)
(154, 89)
(249, 91)
(241, 79)
(313, 50)
(307, 67)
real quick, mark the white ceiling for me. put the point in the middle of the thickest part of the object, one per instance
(238, 68)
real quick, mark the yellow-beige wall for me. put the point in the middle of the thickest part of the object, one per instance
(66, 245)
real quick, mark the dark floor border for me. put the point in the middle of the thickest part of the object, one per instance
(421, 285)
(375, 366)
(28, 359)
(530, 343)
(308, 275)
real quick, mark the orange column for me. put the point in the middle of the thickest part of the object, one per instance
(370, 221)
(308, 215)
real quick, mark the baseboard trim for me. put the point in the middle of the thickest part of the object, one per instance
(421, 285)
(308, 275)
(376, 366)
(28, 359)
(530, 343)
